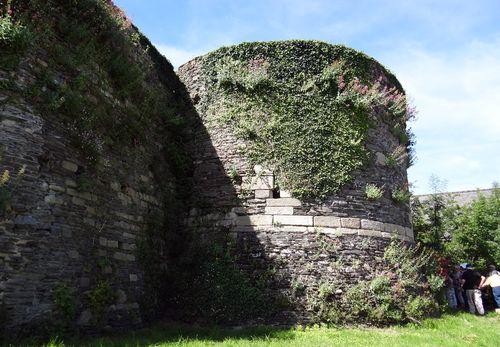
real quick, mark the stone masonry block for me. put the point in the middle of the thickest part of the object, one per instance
(120, 256)
(292, 228)
(371, 233)
(70, 166)
(279, 210)
(348, 231)
(394, 229)
(78, 201)
(256, 219)
(372, 225)
(70, 183)
(52, 199)
(263, 193)
(352, 223)
(285, 194)
(294, 220)
(409, 233)
(112, 244)
(284, 202)
(263, 182)
(128, 246)
(327, 221)
(57, 188)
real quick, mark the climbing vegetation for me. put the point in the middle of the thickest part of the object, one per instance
(408, 291)
(304, 108)
(97, 74)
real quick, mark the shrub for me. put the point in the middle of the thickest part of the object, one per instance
(401, 195)
(391, 161)
(373, 192)
(100, 297)
(237, 74)
(217, 291)
(14, 36)
(420, 307)
(64, 299)
(401, 294)
(8, 187)
(5, 194)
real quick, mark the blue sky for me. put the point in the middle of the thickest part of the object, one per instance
(446, 54)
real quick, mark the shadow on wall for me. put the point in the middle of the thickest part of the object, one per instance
(262, 255)
(219, 275)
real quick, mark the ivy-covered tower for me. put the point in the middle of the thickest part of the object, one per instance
(300, 165)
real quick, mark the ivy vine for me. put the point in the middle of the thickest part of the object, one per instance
(303, 108)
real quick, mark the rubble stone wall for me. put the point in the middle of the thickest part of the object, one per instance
(71, 229)
(340, 239)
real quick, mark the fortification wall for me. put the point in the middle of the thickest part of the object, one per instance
(339, 239)
(105, 166)
(92, 187)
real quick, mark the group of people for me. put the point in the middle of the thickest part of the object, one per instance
(465, 287)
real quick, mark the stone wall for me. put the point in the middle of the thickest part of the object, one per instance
(71, 232)
(462, 198)
(72, 226)
(340, 239)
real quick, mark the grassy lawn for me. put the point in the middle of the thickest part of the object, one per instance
(451, 330)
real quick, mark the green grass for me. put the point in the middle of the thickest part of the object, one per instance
(451, 330)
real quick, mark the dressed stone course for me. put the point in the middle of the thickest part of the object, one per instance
(327, 221)
(283, 202)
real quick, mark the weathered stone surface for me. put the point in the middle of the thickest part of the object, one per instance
(293, 220)
(371, 233)
(283, 210)
(291, 202)
(353, 223)
(409, 233)
(263, 193)
(394, 229)
(380, 158)
(60, 227)
(67, 165)
(327, 221)
(85, 318)
(373, 225)
(254, 220)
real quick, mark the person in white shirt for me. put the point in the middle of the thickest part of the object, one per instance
(493, 281)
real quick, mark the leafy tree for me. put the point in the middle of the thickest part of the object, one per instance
(463, 233)
(431, 218)
(476, 235)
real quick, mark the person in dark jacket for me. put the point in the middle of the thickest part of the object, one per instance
(471, 282)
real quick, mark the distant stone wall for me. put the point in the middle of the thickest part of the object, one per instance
(462, 198)
(340, 239)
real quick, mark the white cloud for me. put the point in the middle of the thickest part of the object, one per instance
(457, 89)
(177, 56)
(457, 93)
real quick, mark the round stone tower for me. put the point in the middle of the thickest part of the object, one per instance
(300, 162)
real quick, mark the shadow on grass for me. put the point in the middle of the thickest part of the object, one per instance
(453, 328)
(165, 334)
